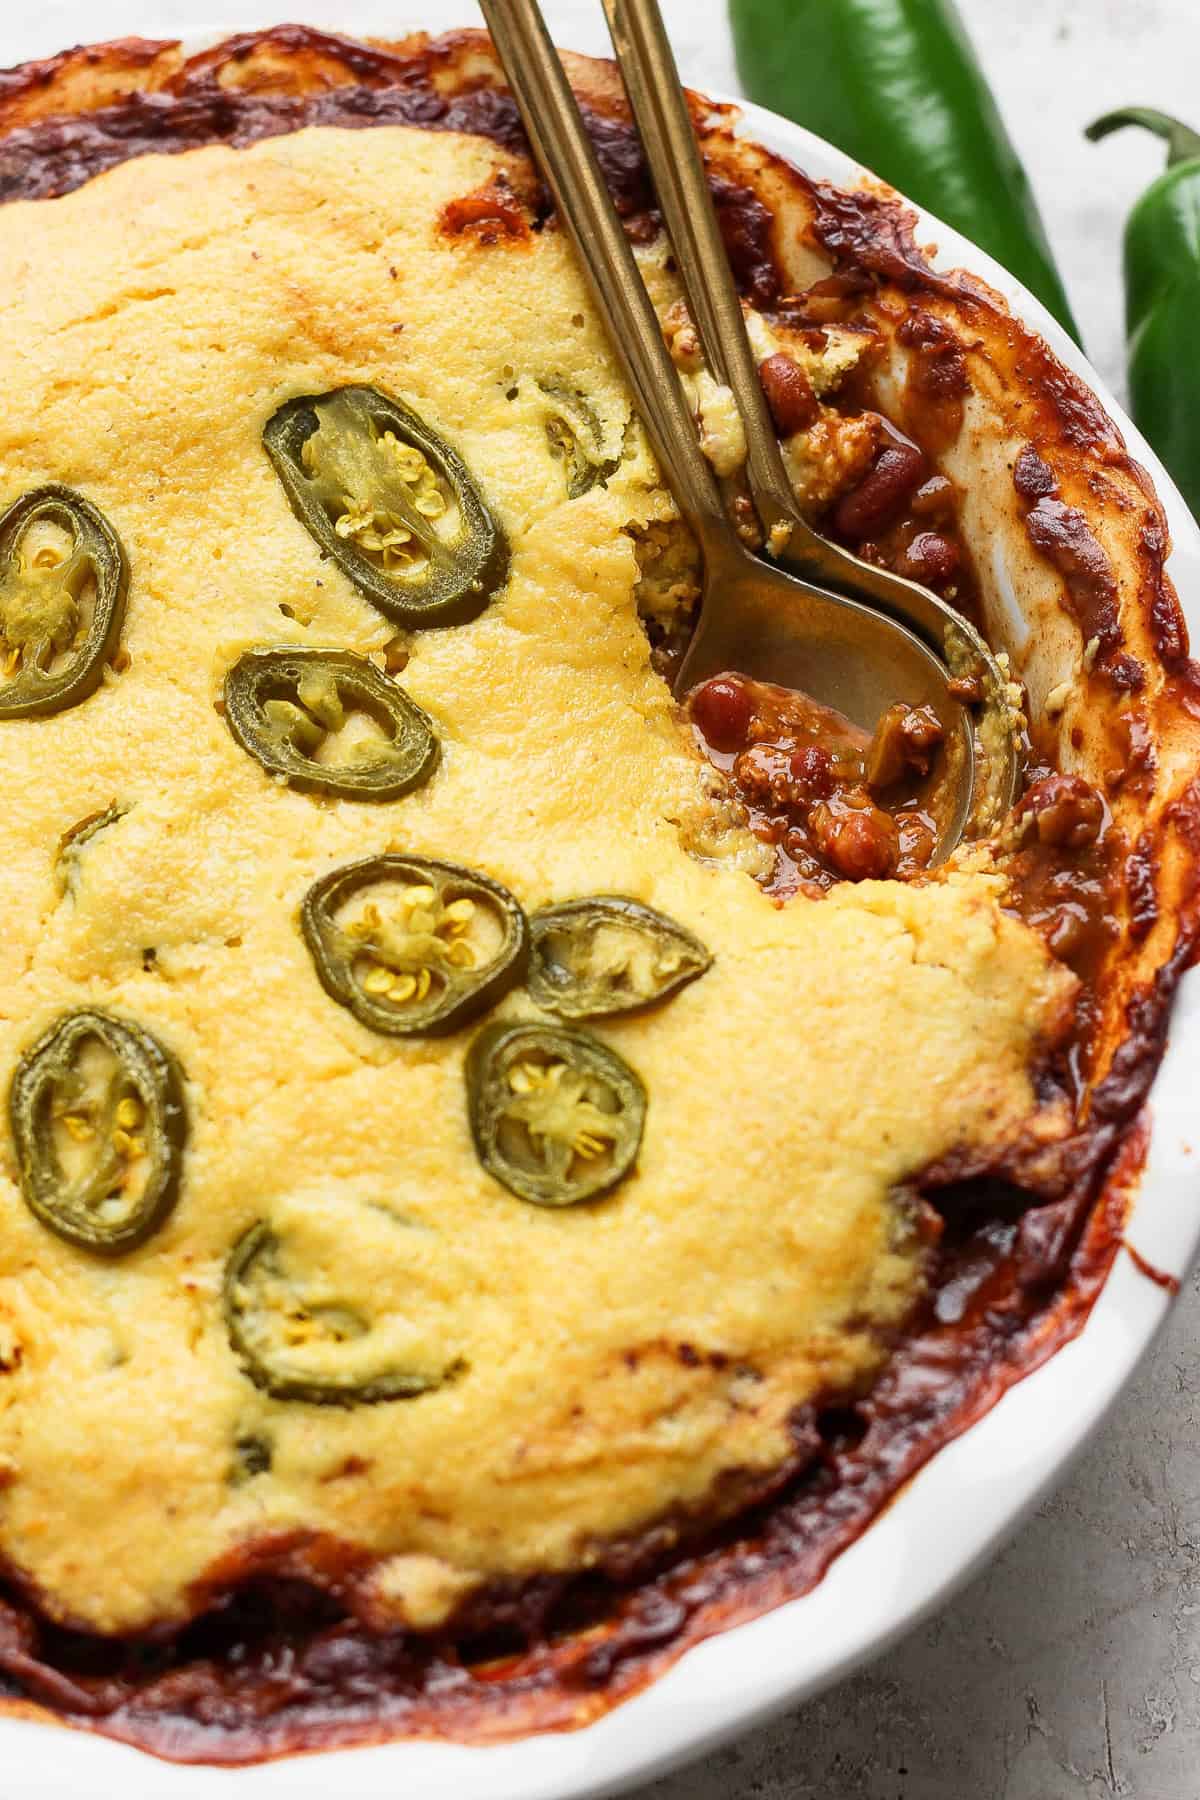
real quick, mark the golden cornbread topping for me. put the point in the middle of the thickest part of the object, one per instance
(766, 1233)
(435, 1156)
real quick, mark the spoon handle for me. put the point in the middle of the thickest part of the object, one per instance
(564, 153)
(664, 124)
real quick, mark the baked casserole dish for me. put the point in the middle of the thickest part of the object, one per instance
(506, 1176)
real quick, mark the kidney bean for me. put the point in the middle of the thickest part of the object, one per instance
(930, 558)
(859, 844)
(898, 469)
(1065, 810)
(812, 773)
(723, 710)
(933, 498)
(789, 394)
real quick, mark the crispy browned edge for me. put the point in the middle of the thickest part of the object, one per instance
(1159, 813)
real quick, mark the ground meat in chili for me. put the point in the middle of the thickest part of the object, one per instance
(837, 803)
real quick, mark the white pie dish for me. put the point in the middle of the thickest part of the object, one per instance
(917, 1551)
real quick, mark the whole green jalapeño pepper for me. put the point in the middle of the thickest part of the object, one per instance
(896, 84)
(1162, 296)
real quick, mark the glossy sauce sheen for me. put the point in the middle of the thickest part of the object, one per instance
(835, 803)
(277, 1663)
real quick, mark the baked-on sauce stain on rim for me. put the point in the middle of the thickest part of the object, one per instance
(275, 1659)
(1170, 1284)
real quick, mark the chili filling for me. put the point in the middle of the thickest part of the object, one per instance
(837, 802)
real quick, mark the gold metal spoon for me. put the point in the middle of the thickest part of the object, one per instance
(664, 123)
(754, 618)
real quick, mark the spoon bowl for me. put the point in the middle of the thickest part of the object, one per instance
(821, 646)
(769, 626)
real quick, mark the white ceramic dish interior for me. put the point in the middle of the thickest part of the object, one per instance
(940, 1528)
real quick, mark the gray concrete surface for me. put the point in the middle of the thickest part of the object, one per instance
(1072, 1667)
